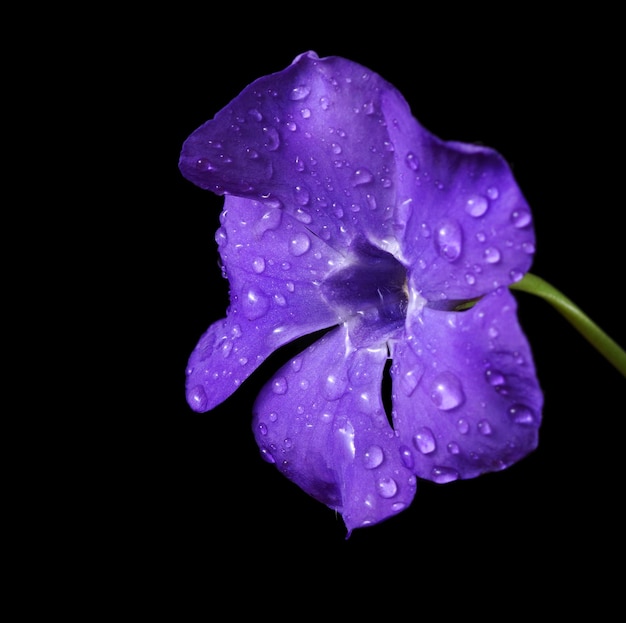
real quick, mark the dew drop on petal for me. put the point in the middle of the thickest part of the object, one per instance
(299, 93)
(407, 457)
(271, 220)
(424, 441)
(453, 448)
(492, 192)
(262, 428)
(449, 240)
(408, 382)
(441, 475)
(334, 387)
(412, 161)
(492, 255)
(521, 217)
(361, 176)
(271, 138)
(279, 385)
(302, 195)
(447, 391)
(494, 378)
(521, 414)
(255, 304)
(476, 205)
(484, 427)
(373, 457)
(267, 456)
(197, 398)
(462, 426)
(299, 244)
(258, 265)
(387, 487)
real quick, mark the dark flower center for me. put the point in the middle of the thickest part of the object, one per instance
(371, 286)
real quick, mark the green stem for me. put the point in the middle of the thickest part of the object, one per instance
(605, 345)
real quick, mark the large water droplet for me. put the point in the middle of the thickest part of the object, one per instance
(424, 441)
(373, 457)
(476, 205)
(387, 487)
(299, 244)
(449, 240)
(447, 391)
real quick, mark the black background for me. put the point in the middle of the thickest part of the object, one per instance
(185, 497)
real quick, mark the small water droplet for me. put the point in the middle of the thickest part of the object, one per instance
(449, 240)
(272, 138)
(463, 426)
(373, 457)
(299, 93)
(521, 414)
(494, 377)
(492, 192)
(471, 280)
(255, 304)
(270, 220)
(258, 265)
(299, 244)
(407, 457)
(484, 427)
(412, 161)
(387, 487)
(361, 176)
(492, 255)
(447, 391)
(453, 448)
(441, 475)
(521, 217)
(255, 114)
(197, 398)
(279, 385)
(476, 205)
(408, 382)
(306, 113)
(265, 454)
(424, 441)
(262, 429)
(334, 387)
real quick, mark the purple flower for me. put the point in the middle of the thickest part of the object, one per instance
(342, 213)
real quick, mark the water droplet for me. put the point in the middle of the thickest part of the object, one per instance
(463, 426)
(273, 416)
(471, 280)
(221, 237)
(299, 244)
(447, 391)
(476, 205)
(492, 255)
(306, 113)
(288, 442)
(279, 385)
(387, 487)
(361, 176)
(197, 398)
(494, 378)
(258, 265)
(262, 429)
(521, 217)
(441, 475)
(484, 427)
(521, 414)
(267, 456)
(227, 347)
(453, 448)
(255, 114)
(408, 382)
(493, 192)
(270, 220)
(272, 138)
(449, 240)
(412, 161)
(299, 93)
(407, 457)
(424, 441)
(255, 304)
(373, 457)
(334, 387)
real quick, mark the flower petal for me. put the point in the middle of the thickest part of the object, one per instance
(312, 138)
(275, 267)
(464, 225)
(465, 395)
(322, 422)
